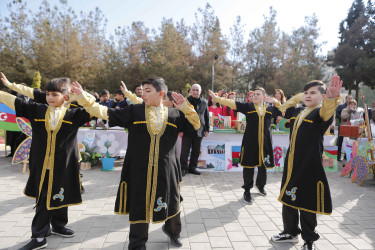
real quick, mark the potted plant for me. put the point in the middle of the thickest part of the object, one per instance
(107, 162)
(89, 155)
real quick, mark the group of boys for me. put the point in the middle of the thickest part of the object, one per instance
(151, 166)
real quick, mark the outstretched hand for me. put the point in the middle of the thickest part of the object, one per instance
(178, 100)
(4, 78)
(269, 99)
(212, 94)
(77, 88)
(333, 90)
(123, 87)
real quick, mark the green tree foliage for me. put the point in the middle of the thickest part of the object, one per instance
(56, 41)
(355, 54)
(37, 79)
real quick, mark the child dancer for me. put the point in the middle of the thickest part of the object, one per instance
(304, 187)
(256, 148)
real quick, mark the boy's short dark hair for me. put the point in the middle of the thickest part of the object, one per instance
(158, 83)
(59, 85)
(138, 85)
(119, 92)
(261, 89)
(169, 95)
(321, 86)
(104, 92)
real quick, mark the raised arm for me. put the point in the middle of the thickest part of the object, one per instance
(24, 90)
(185, 107)
(7, 99)
(131, 96)
(224, 101)
(332, 99)
(88, 102)
(292, 102)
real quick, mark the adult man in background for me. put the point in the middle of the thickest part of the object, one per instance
(340, 139)
(193, 138)
(139, 90)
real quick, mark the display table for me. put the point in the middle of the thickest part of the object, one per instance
(97, 137)
(219, 151)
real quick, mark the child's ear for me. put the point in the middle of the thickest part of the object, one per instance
(66, 97)
(323, 97)
(161, 93)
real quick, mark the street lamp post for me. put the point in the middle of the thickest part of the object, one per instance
(213, 71)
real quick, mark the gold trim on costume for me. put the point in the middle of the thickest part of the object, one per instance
(320, 196)
(252, 111)
(123, 197)
(67, 122)
(308, 121)
(171, 124)
(268, 112)
(304, 209)
(40, 120)
(140, 122)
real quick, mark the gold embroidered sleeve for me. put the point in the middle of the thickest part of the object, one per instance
(226, 102)
(277, 104)
(93, 108)
(292, 102)
(190, 114)
(328, 108)
(19, 88)
(133, 97)
(7, 99)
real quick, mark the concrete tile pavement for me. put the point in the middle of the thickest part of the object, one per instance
(213, 214)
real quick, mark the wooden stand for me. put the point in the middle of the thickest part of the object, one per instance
(25, 162)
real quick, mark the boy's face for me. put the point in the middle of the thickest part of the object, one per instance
(119, 97)
(56, 99)
(150, 96)
(258, 96)
(167, 102)
(312, 97)
(105, 97)
(139, 91)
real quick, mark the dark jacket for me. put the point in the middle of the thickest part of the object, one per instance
(338, 111)
(201, 106)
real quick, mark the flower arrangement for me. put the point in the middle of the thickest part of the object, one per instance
(89, 154)
(107, 144)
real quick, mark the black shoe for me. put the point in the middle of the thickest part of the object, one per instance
(176, 241)
(34, 244)
(183, 172)
(309, 245)
(64, 232)
(339, 159)
(10, 155)
(261, 190)
(284, 237)
(194, 171)
(247, 197)
(82, 190)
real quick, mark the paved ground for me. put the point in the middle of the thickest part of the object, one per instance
(214, 215)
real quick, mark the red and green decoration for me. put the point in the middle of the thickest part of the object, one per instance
(8, 119)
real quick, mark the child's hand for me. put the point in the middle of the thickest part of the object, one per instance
(178, 100)
(77, 88)
(213, 95)
(333, 90)
(123, 88)
(269, 99)
(4, 79)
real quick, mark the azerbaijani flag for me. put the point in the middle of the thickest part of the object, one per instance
(8, 118)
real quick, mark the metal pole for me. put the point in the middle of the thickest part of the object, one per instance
(213, 75)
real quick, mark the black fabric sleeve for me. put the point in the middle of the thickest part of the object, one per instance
(244, 107)
(120, 117)
(39, 96)
(80, 116)
(25, 109)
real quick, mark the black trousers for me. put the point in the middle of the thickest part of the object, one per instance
(248, 177)
(307, 220)
(193, 142)
(58, 218)
(138, 234)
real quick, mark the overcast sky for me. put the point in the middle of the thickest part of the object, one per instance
(290, 13)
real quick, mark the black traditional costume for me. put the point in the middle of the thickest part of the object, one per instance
(304, 184)
(149, 189)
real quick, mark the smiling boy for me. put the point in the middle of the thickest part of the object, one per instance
(304, 187)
